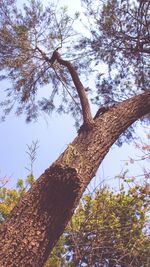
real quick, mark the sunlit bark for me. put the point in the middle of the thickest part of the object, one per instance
(38, 220)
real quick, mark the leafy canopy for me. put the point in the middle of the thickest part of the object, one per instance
(119, 39)
(117, 48)
(110, 229)
(10, 197)
(28, 37)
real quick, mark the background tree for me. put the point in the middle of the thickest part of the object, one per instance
(10, 197)
(40, 217)
(107, 228)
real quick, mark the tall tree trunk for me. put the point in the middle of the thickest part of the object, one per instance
(38, 220)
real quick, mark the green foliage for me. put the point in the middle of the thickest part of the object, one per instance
(107, 228)
(119, 38)
(28, 38)
(10, 197)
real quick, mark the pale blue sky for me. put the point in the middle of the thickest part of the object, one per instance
(53, 134)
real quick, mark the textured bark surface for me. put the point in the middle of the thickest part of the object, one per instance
(35, 224)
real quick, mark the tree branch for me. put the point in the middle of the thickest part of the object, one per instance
(87, 116)
(88, 121)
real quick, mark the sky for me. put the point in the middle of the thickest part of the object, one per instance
(53, 134)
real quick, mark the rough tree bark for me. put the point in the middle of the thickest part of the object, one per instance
(38, 220)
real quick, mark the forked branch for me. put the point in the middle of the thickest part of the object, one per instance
(88, 121)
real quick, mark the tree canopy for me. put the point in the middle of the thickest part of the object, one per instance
(109, 229)
(28, 38)
(120, 39)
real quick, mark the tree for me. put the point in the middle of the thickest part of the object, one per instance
(109, 229)
(120, 39)
(28, 40)
(30, 58)
(10, 197)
